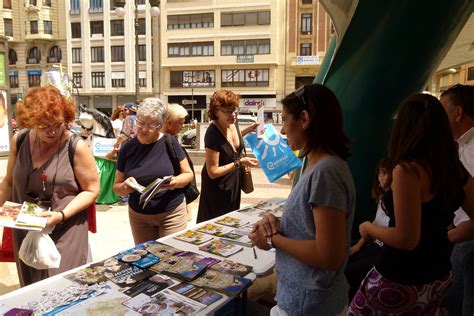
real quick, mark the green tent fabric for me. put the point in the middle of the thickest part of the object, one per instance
(107, 177)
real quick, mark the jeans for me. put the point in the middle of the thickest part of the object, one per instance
(459, 299)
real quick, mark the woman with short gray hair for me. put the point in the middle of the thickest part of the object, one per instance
(144, 159)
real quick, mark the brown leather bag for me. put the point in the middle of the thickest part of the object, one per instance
(247, 182)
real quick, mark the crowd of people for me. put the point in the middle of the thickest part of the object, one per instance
(415, 256)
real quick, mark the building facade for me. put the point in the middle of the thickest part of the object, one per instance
(36, 42)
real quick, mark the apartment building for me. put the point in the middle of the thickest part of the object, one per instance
(212, 44)
(36, 41)
(103, 51)
(309, 31)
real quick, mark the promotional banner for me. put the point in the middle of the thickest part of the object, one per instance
(101, 146)
(272, 151)
(4, 133)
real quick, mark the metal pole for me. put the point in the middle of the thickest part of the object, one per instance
(192, 104)
(137, 51)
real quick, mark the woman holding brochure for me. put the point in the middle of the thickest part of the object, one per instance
(40, 170)
(141, 161)
(313, 237)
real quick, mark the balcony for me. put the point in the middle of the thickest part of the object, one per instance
(53, 60)
(32, 60)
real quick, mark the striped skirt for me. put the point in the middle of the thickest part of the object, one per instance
(380, 296)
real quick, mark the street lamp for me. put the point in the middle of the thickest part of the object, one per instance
(120, 11)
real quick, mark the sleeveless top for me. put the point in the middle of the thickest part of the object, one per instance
(27, 182)
(430, 260)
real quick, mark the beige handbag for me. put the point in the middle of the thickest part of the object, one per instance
(247, 182)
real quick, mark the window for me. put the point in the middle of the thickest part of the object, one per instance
(33, 27)
(47, 3)
(12, 57)
(245, 78)
(97, 54)
(54, 55)
(116, 28)
(142, 52)
(191, 21)
(192, 79)
(76, 55)
(8, 27)
(34, 56)
(305, 49)
(191, 49)
(142, 79)
(97, 27)
(7, 4)
(34, 79)
(48, 27)
(77, 79)
(14, 79)
(76, 30)
(33, 2)
(249, 47)
(118, 53)
(306, 1)
(98, 79)
(75, 6)
(118, 79)
(141, 26)
(306, 23)
(95, 6)
(245, 18)
(470, 73)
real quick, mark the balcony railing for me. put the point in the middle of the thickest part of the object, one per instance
(32, 60)
(52, 60)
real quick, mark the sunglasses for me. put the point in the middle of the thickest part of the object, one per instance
(299, 94)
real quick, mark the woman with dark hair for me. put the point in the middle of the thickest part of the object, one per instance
(429, 184)
(313, 237)
(40, 170)
(221, 179)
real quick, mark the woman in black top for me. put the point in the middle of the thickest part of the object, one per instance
(429, 184)
(220, 177)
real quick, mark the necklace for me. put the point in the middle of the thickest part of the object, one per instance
(43, 175)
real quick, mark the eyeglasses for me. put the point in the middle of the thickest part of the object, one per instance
(300, 94)
(229, 112)
(147, 126)
(44, 127)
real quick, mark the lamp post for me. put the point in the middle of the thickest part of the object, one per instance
(120, 11)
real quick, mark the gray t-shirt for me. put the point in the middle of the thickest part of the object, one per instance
(303, 289)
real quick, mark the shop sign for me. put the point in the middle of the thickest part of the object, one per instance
(198, 84)
(256, 103)
(307, 60)
(245, 58)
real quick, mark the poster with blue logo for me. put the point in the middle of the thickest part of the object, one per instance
(272, 151)
(101, 146)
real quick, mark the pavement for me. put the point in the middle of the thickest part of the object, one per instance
(113, 228)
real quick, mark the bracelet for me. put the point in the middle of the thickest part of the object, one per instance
(269, 241)
(64, 217)
(237, 163)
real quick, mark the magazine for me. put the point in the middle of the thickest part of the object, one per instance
(197, 257)
(193, 237)
(221, 248)
(149, 287)
(22, 216)
(161, 250)
(195, 293)
(231, 221)
(213, 229)
(225, 283)
(148, 192)
(95, 273)
(180, 267)
(231, 267)
(164, 303)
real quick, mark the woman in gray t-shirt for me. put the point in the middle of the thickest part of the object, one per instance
(313, 237)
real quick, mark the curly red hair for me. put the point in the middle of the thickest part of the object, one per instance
(222, 99)
(44, 104)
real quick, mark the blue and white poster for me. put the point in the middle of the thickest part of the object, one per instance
(272, 151)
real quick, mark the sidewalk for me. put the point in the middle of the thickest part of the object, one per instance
(113, 229)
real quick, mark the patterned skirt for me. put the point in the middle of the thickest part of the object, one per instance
(380, 296)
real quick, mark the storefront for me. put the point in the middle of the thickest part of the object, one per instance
(194, 104)
(250, 103)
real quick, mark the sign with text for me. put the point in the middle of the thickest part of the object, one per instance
(245, 58)
(255, 103)
(101, 146)
(307, 60)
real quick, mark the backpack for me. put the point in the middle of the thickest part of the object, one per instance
(190, 191)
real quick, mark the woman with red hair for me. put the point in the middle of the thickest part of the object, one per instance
(40, 170)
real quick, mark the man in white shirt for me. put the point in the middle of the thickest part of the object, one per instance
(458, 102)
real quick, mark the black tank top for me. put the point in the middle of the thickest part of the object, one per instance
(430, 260)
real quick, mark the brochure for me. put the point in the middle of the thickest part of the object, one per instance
(161, 250)
(213, 229)
(231, 221)
(164, 303)
(180, 267)
(238, 239)
(128, 275)
(193, 237)
(146, 287)
(197, 257)
(96, 272)
(221, 248)
(22, 216)
(231, 267)
(225, 283)
(195, 293)
(148, 192)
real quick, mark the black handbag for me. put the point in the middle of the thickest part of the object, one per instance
(190, 191)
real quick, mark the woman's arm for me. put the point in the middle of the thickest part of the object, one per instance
(184, 178)
(6, 187)
(407, 188)
(248, 129)
(85, 171)
(120, 187)
(212, 165)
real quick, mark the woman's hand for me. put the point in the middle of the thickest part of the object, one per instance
(54, 218)
(357, 247)
(270, 225)
(126, 187)
(364, 229)
(258, 237)
(249, 162)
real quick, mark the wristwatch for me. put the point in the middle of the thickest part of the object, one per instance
(237, 163)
